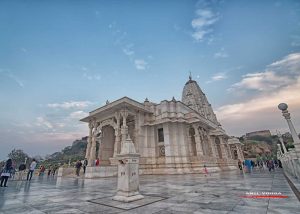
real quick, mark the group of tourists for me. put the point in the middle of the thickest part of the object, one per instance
(83, 164)
(51, 170)
(9, 171)
(250, 165)
(80, 164)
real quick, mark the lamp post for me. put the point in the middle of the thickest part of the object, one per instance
(283, 107)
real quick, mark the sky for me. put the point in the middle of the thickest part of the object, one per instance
(61, 59)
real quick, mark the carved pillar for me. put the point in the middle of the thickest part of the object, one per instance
(211, 141)
(124, 128)
(136, 131)
(230, 156)
(198, 141)
(223, 148)
(239, 152)
(100, 149)
(92, 156)
(88, 146)
(117, 146)
(189, 141)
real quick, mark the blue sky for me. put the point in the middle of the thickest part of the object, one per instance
(61, 59)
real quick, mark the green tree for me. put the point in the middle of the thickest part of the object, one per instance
(18, 156)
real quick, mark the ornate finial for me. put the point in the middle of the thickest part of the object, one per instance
(107, 102)
(173, 99)
(190, 77)
(146, 100)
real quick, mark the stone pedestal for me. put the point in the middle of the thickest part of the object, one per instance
(128, 173)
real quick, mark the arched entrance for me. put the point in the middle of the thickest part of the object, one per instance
(107, 141)
(218, 145)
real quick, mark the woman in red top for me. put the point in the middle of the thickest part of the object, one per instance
(97, 162)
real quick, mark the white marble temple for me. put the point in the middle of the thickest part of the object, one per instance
(172, 136)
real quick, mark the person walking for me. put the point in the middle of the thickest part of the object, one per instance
(78, 167)
(42, 171)
(6, 171)
(270, 165)
(205, 170)
(97, 162)
(85, 163)
(49, 170)
(31, 169)
(54, 170)
(240, 165)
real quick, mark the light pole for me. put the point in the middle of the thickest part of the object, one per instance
(283, 107)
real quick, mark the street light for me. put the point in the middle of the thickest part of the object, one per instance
(283, 107)
(285, 113)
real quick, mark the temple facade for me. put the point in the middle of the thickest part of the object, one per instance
(171, 136)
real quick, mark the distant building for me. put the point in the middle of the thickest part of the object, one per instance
(263, 133)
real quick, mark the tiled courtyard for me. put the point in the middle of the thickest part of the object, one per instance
(193, 193)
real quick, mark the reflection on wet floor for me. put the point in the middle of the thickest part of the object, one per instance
(192, 193)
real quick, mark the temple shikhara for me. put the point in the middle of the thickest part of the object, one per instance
(171, 136)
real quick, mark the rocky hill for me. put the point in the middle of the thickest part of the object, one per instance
(264, 147)
(70, 153)
(252, 149)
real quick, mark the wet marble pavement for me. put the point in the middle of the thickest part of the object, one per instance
(193, 193)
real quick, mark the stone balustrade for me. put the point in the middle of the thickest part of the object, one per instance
(291, 163)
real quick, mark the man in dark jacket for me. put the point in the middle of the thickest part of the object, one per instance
(78, 167)
(6, 171)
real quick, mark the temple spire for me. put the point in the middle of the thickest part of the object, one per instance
(190, 76)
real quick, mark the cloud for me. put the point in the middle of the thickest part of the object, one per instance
(276, 76)
(10, 75)
(217, 77)
(295, 41)
(90, 75)
(140, 64)
(84, 68)
(24, 50)
(279, 82)
(40, 121)
(221, 54)
(203, 22)
(260, 112)
(128, 50)
(70, 105)
(127, 47)
(78, 114)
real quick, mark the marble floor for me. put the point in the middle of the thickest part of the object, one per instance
(193, 193)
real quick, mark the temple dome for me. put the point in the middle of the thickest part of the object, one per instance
(193, 97)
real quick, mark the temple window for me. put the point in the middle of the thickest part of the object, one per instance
(160, 133)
